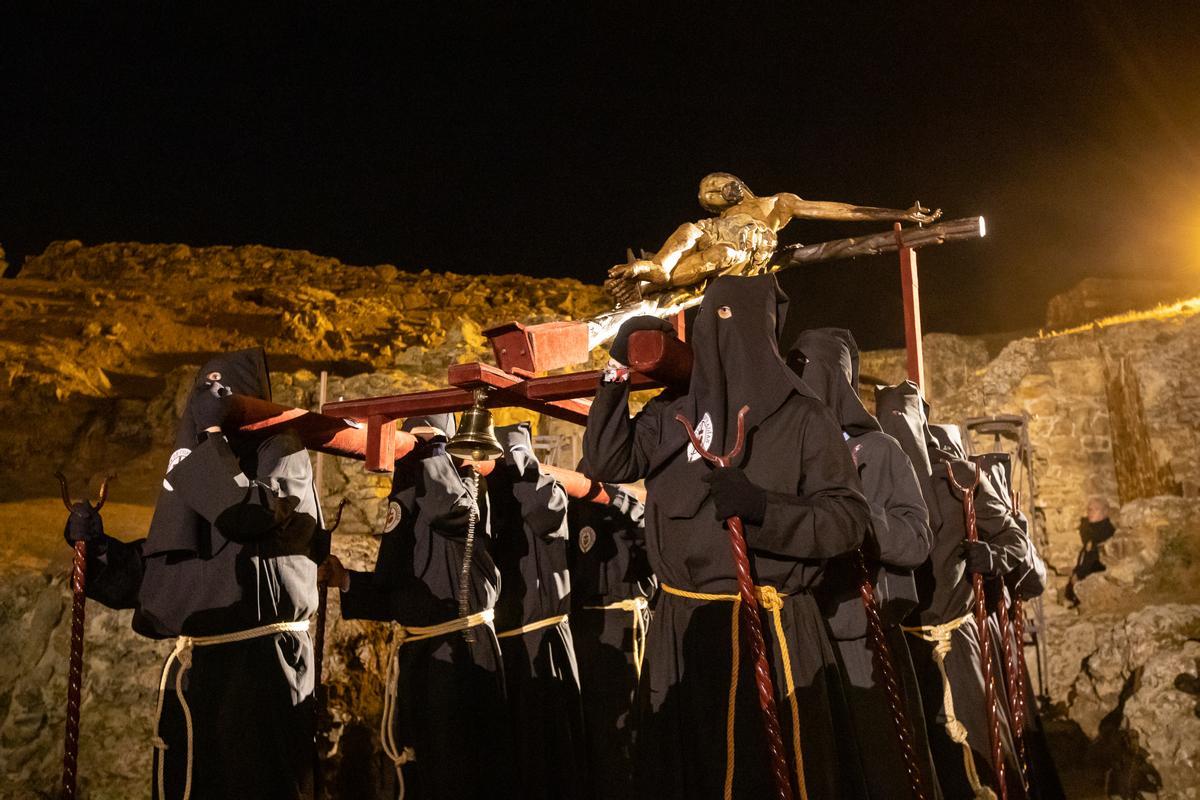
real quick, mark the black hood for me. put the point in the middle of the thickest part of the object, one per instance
(827, 359)
(949, 439)
(242, 372)
(736, 362)
(175, 526)
(736, 359)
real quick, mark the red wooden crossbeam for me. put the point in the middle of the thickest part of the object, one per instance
(657, 361)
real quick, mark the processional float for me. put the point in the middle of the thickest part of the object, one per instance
(739, 239)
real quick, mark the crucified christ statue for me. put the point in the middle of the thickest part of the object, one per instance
(739, 240)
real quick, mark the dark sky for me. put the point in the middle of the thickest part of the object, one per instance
(545, 138)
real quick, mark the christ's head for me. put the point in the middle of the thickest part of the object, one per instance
(720, 190)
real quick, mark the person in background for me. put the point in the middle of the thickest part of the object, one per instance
(1095, 528)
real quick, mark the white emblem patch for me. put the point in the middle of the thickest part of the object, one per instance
(393, 517)
(587, 538)
(705, 432)
(176, 457)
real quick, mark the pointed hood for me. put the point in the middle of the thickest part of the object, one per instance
(949, 439)
(827, 359)
(735, 347)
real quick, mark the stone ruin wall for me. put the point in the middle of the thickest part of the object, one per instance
(1113, 412)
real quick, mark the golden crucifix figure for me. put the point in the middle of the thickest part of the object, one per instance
(739, 240)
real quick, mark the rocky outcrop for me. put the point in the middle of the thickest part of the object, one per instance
(1094, 298)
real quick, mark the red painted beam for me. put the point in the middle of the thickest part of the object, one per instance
(911, 289)
(323, 433)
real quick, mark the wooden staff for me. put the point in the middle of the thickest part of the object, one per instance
(891, 683)
(75, 663)
(749, 614)
(985, 642)
(1013, 685)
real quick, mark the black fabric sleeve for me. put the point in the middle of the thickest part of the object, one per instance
(828, 515)
(900, 534)
(212, 483)
(1029, 579)
(996, 527)
(616, 447)
(542, 501)
(115, 578)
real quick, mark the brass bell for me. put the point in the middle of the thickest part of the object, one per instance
(475, 439)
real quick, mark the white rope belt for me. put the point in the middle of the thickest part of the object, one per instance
(637, 606)
(533, 626)
(183, 654)
(940, 637)
(405, 634)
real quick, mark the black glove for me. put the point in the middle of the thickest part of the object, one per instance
(84, 525)
(980, 558)
(210, 405)
(620, 345)
(735, 495)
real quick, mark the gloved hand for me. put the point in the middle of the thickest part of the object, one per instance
(619, 350)
(980, 558)
(735, 495)
(85, 525)
(210, 405)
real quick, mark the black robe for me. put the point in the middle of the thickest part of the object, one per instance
(450, 700)
(815, 511)
(529, 529)
(945, 594)
(608, 565)
(899, 541)
(234, 545)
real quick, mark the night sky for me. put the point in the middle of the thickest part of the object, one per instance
(546, 138)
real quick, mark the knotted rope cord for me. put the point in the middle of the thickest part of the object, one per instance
(940, 637)
(770, 599)
(183, 654)
(75, 670)
(891, 684)
(405, 634)
(985, 641)
(1018, 620)
(638, 606)
(1014, 687)
(464, 575)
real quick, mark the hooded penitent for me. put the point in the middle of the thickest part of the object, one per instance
(197, 554)
(529, 530)
(814, 510)
(899, 541)
(449, 689)
(233, 547)
(946, 595)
